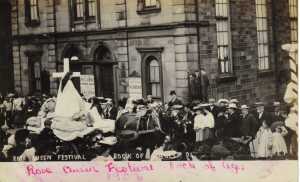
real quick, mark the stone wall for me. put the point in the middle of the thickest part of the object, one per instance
(247, 83)
(123, 30)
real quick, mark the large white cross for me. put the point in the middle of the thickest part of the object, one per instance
(66, 69)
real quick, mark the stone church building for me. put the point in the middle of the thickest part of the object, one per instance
(162, 42)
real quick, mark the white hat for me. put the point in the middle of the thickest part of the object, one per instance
(212, 100)
(223, 100)
(259, 104)
(10, 95)
(234, 101)
(276, 103)
(108, 99)
(232, 105)
(244, 107)
(109, 140)
(204, 105)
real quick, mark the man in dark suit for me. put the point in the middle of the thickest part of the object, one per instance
(173, 100)
(261, 114)
(213, 108)
(249, 124)
(110, 111)
(232, 128)
(276, 114)
(202, 84)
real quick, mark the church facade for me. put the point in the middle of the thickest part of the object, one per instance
(160, 42)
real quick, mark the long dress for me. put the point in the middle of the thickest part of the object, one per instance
(203, 125)
(279, 146)
(260, 147)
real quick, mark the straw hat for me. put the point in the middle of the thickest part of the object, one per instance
(259, 104)
(244, 107)
(109, 140)
(232, 106)
(10, 95)
(223, 101)
(276, 104)
(234, 101)
(177, 107)
(200, 106)
(276, 124)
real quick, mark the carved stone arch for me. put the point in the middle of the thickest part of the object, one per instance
(68, 48)
(97, 46)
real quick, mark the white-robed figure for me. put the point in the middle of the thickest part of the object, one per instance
(72, 116)
(69, 121)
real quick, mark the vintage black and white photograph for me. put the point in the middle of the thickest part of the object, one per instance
(148, 80)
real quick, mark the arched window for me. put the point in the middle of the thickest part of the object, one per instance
(154, 78)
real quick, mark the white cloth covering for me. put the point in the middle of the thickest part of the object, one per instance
(68, 101)
(105, 125)
(68, 104)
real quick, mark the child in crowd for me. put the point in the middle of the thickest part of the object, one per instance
(261, 147)
(279, 148)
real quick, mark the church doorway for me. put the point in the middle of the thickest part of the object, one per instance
(102, 68)
(104, 72)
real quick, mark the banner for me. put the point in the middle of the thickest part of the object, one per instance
(135, 87)
(87, 85)
(172, 171)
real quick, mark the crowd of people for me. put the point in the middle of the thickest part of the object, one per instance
(147, 129)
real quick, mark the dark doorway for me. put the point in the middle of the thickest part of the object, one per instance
(104, 72)
(105, 81)
(102, 68)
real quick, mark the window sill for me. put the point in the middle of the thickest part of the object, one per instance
(264, 73)
(33, 23)
(149, 10)
(224, 78)
(77, 22)
(89, 21)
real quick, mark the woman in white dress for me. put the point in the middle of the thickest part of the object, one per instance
(261, 146)
(203, 123)
(279, 148)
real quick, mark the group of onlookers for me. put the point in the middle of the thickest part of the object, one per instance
(148, 126)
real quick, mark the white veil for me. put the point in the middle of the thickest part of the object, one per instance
(68, 101)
